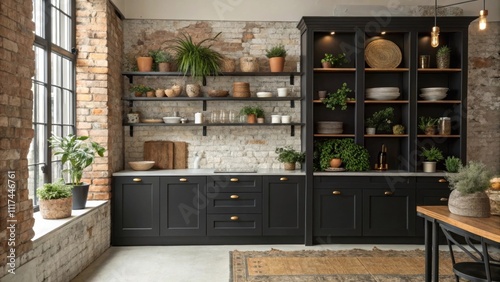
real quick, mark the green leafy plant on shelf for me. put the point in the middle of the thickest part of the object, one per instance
(276, 51)
(381, 120)
(289, 155)
(354, 156)
(335, 61)
(443, 51)
(338, 98)
(427, 124)
(252, 110)
(432, 154)
(140, 88)
(452, 163)
(471, 178)
(160, 56)
(53, 191)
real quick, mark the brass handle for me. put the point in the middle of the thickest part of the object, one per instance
(234, 180)
(443, 199)
(442, 180)
(284, 179)
(234, 196)
(234, 217)
(183, 180)
(388, 193)
(137, 180)
(336, 193)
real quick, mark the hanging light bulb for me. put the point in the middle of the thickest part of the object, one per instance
(482, 19)
(435, 36)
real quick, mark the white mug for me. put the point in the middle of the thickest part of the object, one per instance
(285, 119)
(198, 118)
(282, 92)
(275, 118)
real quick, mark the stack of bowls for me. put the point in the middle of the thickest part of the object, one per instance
(382, 93)
(433, 93)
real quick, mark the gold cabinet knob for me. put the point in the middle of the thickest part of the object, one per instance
(336, 193)
(137, 180)
(234, 217)
(234, 180)
(442, 180)
(183, 180)
(388, 193)
(443, 199)
(283, 179)
(234, 196)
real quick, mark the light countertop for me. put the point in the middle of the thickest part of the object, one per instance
(204, 171)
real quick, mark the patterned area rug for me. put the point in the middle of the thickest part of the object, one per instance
(344, 266)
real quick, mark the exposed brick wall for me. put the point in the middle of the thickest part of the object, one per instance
(16, 99)
(483, 102)
(98, 86)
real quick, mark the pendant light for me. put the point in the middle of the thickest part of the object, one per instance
(482, 17)
(435, 29)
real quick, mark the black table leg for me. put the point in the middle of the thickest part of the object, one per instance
(428, 250)
(435, 251)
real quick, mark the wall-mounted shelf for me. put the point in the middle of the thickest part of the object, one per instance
(438, 136)
(334, 69)
(439, 70)
(439, 102)
(386, 135)
(386, 70)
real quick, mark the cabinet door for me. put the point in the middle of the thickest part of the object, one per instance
(284, 205)
(337, 212)
(183, 206)
(136, 206)
(430, 197)
(388, 212)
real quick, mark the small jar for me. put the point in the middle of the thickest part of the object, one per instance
(444, 126)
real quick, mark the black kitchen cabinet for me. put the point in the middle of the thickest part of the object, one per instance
(183, 203)
(136, 206)
(431, 191)
(284, 205)
(234, 224)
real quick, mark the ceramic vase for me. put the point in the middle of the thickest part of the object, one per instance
(193, 90)
(429, 166)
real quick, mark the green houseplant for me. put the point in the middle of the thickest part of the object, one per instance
(354, 156)
(162, 60)
(428, 125)
(331, 60)
(289, 157)
(55, 200)
(338, 98)
(276, 55)
(469, 184)
(252, 113)
(452, 163)
(140, 89)
(78, 153)
(431, 155)
(443, 57)
(380, 120)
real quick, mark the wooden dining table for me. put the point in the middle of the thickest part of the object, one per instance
(487, 229)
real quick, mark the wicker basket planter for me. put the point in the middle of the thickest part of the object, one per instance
(55, 209)
(472, 205)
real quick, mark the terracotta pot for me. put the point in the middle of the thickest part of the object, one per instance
(145, 64)
(431, 130)
(335, 163)
(277, 64)
(251, 118)
(326, 65)
(58, 208)
(193, 90)
(429, 166)
(138, 94)
(289, 166)
(472, 205)
(160, 93)
(150, 94)
(164, 67)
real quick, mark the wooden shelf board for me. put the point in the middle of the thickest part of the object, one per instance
(386, 70)
(321, 102)
(386, 102)
(438, 136)
(440, 70)
(211, 124)
(439, 102)
(176, 73)
(386, 135)
(228, 98)
(334, 135)
(334, 69)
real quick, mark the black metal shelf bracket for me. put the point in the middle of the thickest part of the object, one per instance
(204, 130)
(204, 105)
(292, 103)
(292, 130)
(130, 103)
(131, 131)
(130, 78)
(292, 79)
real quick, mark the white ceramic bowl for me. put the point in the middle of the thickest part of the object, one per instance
(141, 165)
(171, 119)
(434, 89)
(264, 94)
(382, 89)
(433, 96)
(383, 96)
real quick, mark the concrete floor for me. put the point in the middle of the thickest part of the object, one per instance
(185, 263)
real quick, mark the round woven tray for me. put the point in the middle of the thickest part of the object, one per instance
(382, 53)
(218, 93)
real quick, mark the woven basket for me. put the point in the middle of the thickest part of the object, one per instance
(472, 205)
(218, 93)
(241, 89)
(382, 53)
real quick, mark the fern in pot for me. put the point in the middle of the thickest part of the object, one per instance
(55, 200)
(468, 196)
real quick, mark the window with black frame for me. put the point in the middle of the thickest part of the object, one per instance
(54, 97)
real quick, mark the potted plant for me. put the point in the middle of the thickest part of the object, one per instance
(252, 113)
(380, 121)
(140, 89)
(443, 57)
(398, 129)
(468, 197)
(354, 157)
(428, 125)
(79, 153)
(162, 60)
(330, 61)
(289, 157)
(144, 63)
(55, 200)
(338, 98)
(431, 156)
(276, 57)
(196, 59)
(452, 164)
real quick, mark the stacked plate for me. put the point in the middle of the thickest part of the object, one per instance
(264, 94)
(382, 93)
(433, 93)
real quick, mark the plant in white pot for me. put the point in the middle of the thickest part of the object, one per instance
(432, 156)
(469, 184)
(55, 200)
(289, 157)
(79, 153)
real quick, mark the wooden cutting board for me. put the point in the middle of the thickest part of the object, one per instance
(162, 152)
(180, 155)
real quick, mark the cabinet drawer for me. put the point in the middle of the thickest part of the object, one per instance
(234, 224)
(433, 197)
(234, 183)
(234, 203)
(432, 182)
(337, 182)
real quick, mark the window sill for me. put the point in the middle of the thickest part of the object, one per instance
(43, 227)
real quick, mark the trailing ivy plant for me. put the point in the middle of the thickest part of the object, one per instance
(338, 98)
(354, 157)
